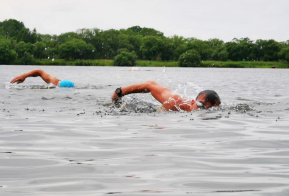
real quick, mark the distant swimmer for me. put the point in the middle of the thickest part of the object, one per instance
(45, 76)
(167, 98)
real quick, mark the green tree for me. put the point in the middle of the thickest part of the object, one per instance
(2, 33)
(95, 38)
(268, 49)
(166, 49)
(114, 40)
(136, 41)
(151, 32)
(26, 59)
(122, 50)
(146, 31)
(216, 46)
(39, 50)
(123, 42)
(7, 55)
(125, 59)
(246, 49)
(215, 43)
(284, 54)
(109, 43)
(65, 37)
(179, 46)
(223, 55)
(241, 49)
(190, 58)
(180, 49)
(25, 53)
(51, 53)
(76, 49)
(147, 43)
(201, 47)
(136, 29)
(51, 49)
(11, 28)
(27, 36)
(23, 47)
(151, 47)
(233, 50)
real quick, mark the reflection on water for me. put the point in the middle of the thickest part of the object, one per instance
(60, 142)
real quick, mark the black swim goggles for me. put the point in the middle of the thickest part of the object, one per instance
(201, 105)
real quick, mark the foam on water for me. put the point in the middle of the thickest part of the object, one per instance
(135, 104)
(9, 85)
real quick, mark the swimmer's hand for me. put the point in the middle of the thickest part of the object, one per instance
(115, 97)
(18, 79)
(116, 100)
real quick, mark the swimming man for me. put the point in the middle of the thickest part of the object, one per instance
(45, 76)
(168, 99)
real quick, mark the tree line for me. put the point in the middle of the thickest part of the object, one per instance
(20, 45)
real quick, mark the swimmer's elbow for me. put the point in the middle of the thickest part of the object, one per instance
(151, 82)
(149, 85)
(36, 72)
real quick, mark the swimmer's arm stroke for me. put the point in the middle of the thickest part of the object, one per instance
(35, 73)
(165, 96)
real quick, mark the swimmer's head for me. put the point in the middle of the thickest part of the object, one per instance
(66, 83)
(209, 98)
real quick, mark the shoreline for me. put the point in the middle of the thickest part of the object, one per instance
(146, 63)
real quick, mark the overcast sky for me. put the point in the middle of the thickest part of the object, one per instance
(202, 19)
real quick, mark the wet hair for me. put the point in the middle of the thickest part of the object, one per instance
(210, 96)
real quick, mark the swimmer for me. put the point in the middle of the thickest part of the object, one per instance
(167, 98)
(45, 76)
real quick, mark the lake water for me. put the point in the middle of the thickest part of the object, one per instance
(73, 142)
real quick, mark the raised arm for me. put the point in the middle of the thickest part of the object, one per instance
(34, 73)
(165, 96)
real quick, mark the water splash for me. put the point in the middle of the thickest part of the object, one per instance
(188, 90)
(167, 79)
(136, 104)
(9, 85)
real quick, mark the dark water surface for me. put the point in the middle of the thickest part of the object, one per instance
(73, 142)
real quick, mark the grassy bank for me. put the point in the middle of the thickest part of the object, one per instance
(245, 64)
(146, 63)
(98, 62)
(225, 64)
